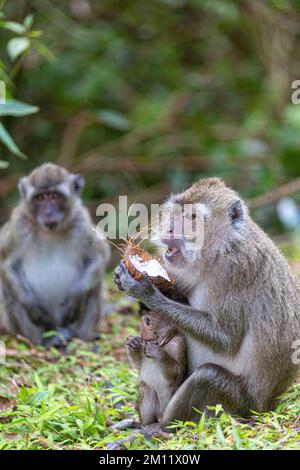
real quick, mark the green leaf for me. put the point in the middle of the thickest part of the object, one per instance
(13, 26)
(35, 34)
(39, 397)
(16, 46)
(7, 140)
(3, 164)
(237, 439)
(37, 381)
(221, 435)
(24, 395)
(17, 108)
(202, 422)
(28, 21)
(113, 119)
(41, 48)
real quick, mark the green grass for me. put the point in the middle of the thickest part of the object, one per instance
(54, 401)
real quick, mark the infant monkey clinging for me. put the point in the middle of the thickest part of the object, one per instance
(159, 353)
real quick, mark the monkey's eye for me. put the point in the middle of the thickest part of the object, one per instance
(147, 321)
(191, 216)
(39, 197)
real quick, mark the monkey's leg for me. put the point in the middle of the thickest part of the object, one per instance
(17, 320)
(16, 290)
(59, 340)
(86, 316)
(148, 405)
(209, 385)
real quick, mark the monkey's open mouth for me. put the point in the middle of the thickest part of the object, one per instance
(172, 252)
(51, 225)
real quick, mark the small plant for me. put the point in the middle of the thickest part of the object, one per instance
(24, 38)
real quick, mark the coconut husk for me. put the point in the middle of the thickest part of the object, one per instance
(138, 261)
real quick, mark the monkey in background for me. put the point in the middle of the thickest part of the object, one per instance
(160, 356)
(244, 305)
(51, 261)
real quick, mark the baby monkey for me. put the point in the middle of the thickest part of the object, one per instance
(160, 356)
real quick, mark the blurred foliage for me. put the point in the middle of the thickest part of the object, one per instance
(16, 47)
(145, 97)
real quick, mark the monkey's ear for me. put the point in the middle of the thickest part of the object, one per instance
(22, 186)
(78, 183)
(236, 212)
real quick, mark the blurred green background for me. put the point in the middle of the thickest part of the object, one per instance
(144, 97)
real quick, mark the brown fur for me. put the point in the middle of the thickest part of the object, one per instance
(160, 356)
(244, 310)
(48, 175)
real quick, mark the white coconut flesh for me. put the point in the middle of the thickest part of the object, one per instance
(152, 267)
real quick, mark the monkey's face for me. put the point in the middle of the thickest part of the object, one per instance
(181, 233)
(51, 194)
(155, 328)
(200, 223)
(49, 208)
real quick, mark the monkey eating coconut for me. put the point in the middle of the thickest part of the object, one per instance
(138, 262)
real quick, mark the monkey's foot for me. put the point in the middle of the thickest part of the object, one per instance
(154, 429)
(127, 423)
(59, 340)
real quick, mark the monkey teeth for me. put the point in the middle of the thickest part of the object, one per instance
(152, 267)
(172, 251)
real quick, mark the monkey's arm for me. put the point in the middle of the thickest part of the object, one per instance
(89, 276)
(11, 267)
(92, 271)
(81, 308)
(15, 280)
(6, 241)
(87, 284)
(171, 358)
(17, 320)
(204, 326)
(134, 350)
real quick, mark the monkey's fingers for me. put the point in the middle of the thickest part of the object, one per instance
(138, 341)
(117, 271)
(123, 268)
(135, 343)
(129, 338)
(151, 350)
(147, 283)
(117, 281)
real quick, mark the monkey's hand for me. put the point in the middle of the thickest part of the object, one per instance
(117, 274)
(153, 351)
(38, 315)
(68, 308)
(60, 340)
(142, 290)
(134, 349)
(134, 343)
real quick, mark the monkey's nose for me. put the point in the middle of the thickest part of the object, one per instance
(167, 240)
(171, 241)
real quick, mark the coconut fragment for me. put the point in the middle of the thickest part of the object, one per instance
(138, 262)
(152, 267)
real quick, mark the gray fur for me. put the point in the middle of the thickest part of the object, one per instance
(244, 311)
(51, 280)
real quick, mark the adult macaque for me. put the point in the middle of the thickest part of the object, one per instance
(243, 314)
(160, 356)
(51, 261)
